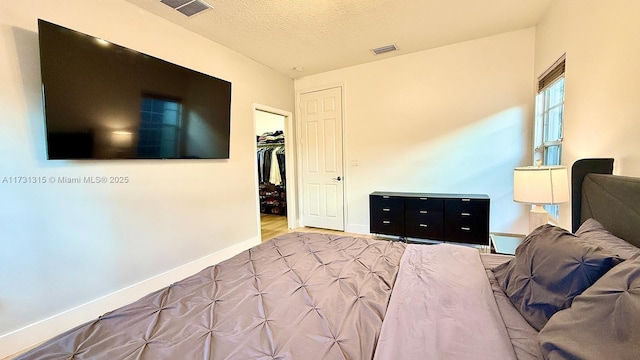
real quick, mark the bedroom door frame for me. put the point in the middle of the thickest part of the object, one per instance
(290, 156)
(341, 154)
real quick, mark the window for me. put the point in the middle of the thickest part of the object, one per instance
(159, 128)
(548, 132)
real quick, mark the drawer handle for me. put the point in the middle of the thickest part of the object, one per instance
(386, 222)
(465, 214)
(385, 196)
(466, 199)
(465, 228)
(424, 198)
(385, 209)
(424, 212)
(424, 225)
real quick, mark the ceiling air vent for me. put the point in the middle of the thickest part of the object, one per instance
(187, 7)
(384, 49)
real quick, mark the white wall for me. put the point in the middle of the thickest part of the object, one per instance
(602, 83)
(455, 119)
(268, 122)
(63, 245)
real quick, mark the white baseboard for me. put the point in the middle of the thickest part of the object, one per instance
(30, 335)
(357, 229)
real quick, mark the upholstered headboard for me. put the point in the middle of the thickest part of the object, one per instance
(612, 200)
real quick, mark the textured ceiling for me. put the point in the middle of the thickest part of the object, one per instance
(323, 35)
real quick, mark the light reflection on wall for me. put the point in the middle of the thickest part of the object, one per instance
(476, 158)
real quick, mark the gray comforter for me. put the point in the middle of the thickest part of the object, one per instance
(299, 296)
(314, 296)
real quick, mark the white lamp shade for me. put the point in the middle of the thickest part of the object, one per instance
(541, 184)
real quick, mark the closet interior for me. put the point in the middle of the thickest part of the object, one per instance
(272, 173)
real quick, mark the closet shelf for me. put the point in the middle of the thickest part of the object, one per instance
(271, 144)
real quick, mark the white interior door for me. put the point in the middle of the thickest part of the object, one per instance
(321, 146)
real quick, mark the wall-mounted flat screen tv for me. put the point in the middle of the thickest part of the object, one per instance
(105, 101)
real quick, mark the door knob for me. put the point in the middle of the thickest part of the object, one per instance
(337, 178)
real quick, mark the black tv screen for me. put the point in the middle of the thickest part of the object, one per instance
(105, 101)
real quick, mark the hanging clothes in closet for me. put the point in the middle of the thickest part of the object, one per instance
(271, 173)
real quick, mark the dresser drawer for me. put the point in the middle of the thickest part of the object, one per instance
(466, 207)
(466, 234)
(475, 222)
(392, 224)
(423, 216)
(462, 213)
(428, 226)
(424, 204)
(380, 203)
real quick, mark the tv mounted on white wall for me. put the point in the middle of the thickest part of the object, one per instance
(105, 101)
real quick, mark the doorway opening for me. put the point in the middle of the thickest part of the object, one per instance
(275, 180)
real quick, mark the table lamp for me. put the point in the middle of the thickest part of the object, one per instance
(540, 185)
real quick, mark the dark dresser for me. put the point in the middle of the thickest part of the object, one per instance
(460, 218)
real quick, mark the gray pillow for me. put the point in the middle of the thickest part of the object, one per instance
(549, 269)
(602, 323)
(594, 233)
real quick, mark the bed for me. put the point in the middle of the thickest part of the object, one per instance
(565, 295)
